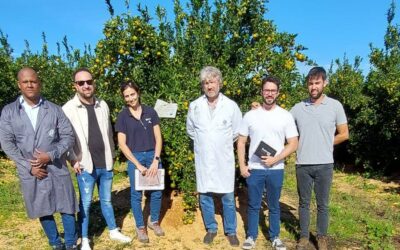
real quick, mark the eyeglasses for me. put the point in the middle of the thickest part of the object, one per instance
(272, 91)
(81, 83)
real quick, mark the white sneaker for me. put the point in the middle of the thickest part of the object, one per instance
(277, 244)
(85, 244)
(249, 243)
(115, 234)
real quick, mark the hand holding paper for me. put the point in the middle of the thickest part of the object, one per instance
(149, 182)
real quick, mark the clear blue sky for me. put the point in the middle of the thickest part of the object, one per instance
(329, 28)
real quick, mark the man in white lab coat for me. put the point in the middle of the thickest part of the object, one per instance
(212, 123)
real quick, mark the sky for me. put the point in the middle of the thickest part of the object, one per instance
(330, 29)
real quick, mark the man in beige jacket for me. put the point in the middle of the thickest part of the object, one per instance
(93, 152)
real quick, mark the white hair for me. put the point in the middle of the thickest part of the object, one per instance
(210, 72)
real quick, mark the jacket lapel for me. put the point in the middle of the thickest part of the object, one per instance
(43, 110)
(24, 118)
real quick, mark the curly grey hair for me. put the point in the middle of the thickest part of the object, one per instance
(210, 72)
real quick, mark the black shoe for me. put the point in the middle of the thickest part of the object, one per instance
(233, 240)
(208, 239)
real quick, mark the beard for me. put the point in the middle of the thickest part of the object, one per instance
(87, 95)
(269, 101)
(315, 95)
(212, 93)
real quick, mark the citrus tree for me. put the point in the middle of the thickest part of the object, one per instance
(55, 71)
(8, 90)
(346, 84)
(383, 87)
(165, 57)
(372, 103)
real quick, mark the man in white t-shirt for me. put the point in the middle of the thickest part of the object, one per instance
(272, 125)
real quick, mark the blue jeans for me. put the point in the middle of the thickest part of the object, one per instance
(86, 183)
(272, 181)
(319, 177)
(229, 212)
(50, 228)
(145, 158)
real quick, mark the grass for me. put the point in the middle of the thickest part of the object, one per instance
(364, 213)
(361, 212)
(11, 200)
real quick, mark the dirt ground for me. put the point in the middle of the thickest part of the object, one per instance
(27, 234)
(23, 233)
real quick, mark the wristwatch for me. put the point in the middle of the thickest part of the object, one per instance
(157, 158)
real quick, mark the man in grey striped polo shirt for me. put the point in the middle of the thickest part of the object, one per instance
(318, 118)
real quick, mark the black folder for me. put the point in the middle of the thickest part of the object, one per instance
(264, 149)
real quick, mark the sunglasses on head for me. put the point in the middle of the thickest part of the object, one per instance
(81, 83)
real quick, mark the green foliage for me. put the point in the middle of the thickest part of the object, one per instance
(54, 71)
(8, 88)
(372, 104)
(165, 61)
(165, 58)
(379, 234)
(346, 84)
(383, 87)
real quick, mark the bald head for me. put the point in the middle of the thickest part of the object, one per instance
(26, 70)
(29, 85)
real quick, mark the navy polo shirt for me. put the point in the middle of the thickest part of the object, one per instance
(139, 133)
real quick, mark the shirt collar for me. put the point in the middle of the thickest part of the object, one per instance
(78, 102)
(24, 103)
(144, 110)
(324, 101)
(220, 97)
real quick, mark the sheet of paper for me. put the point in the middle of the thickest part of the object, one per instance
(143, 183)
(165, 109)
(149, 181)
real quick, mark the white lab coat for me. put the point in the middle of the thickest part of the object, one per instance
(213, 137)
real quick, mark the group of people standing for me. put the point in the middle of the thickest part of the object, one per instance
(312, 127)
(40, 137)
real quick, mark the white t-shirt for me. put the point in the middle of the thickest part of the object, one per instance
(272, 127)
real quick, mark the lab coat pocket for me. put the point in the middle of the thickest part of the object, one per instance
(64, 194)
(43, 197)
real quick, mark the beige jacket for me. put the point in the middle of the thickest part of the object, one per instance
(77, 114)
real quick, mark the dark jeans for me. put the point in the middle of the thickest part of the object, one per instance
(319, 177)
(50, 228)
(272, 181)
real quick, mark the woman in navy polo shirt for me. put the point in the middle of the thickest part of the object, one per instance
(139, 138)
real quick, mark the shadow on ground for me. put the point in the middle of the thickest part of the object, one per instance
(122, 206)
